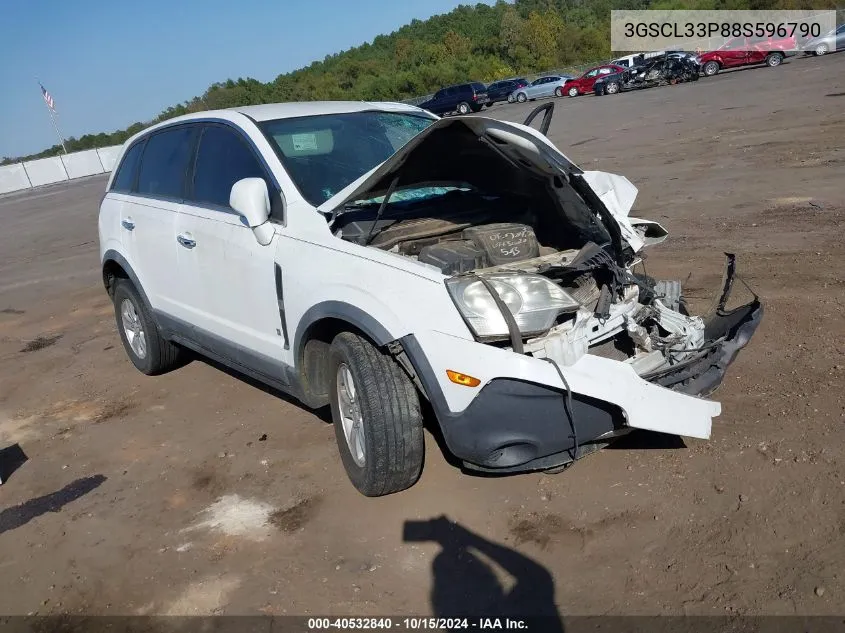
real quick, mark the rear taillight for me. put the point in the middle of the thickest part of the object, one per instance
(474, 96)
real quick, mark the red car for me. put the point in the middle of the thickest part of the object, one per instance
(746, 51)
(584, 84)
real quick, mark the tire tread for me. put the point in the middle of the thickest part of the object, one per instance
(390, 406)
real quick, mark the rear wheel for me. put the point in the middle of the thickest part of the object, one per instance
(821, 49)
(558, 91)
(148, 350)
(521, 97)
(463, 108)
(573, 92)
(612, 88)
(377, 418)
(711, 68)
(774, 59)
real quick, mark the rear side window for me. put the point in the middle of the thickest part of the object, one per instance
(165, 163)
(223, 158)
(125, 176)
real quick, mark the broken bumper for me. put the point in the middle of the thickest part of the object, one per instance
(518, 421)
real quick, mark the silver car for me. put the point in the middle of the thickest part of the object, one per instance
(827, 43)
(548, 86)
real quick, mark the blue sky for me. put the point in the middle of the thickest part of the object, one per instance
(109, 64)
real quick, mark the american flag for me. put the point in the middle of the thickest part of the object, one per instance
(50, 103)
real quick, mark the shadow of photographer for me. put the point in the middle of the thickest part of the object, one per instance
(465, 585)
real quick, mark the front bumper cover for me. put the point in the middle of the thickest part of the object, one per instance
(515, 425)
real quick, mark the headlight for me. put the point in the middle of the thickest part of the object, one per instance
(534, 301)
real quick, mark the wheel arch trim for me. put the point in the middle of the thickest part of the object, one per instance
(112, 255)
(341, 311)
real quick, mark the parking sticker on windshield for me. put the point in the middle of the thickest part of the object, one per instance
(304, 142)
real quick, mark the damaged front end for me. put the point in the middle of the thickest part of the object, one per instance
(539, 259)
(650, 329)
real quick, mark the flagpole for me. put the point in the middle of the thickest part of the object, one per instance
(53, 119)
(56, 127)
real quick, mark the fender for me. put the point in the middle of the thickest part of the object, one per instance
(114, 256)
(364, 321)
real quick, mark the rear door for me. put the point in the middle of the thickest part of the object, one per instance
(230, 289)
(149, 218)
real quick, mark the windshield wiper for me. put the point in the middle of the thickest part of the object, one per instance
(381, 209)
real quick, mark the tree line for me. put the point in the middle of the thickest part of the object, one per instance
(478, 43)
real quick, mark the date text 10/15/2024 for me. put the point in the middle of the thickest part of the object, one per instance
(418, 624)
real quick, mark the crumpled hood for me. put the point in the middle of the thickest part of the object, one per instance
(527, 148)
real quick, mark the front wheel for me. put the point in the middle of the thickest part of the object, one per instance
(463, 108)
(821, 49)
(711, 68)
(377, 418)
(774, 59)
(573, 92)
(521, 97)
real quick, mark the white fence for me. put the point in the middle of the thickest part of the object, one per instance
(46, 171)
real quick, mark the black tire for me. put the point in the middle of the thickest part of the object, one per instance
(390, 416)
(521, 97)
(821, 49)
(160, 355)
(572, 92)
(558, 91)
(774, 59)
(611, 88)
(711, 68)
(463, 108)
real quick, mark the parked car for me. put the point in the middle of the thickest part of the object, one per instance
(747, 51)
(660, 70)
(548, 86)
(501, 90)
(499, 285)
(584, 84)
(827, 43)
(461, 98)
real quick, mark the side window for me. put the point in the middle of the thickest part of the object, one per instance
(125, 176)
(223, 158)
(592, 73)
(165, 163)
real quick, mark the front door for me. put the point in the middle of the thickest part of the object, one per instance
(232, 289)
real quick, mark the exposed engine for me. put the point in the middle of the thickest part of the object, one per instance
(481, 247)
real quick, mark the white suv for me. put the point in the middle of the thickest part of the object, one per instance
(370, 255)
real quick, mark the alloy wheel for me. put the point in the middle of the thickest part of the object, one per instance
(133, 328)
(351, 416)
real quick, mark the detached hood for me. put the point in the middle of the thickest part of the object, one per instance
(442, 154)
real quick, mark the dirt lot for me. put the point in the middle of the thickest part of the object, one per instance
(197, 492)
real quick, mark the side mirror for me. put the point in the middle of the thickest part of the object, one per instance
(251, 199)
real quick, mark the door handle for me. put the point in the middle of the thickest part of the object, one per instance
(128, 224)
(186, 241)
